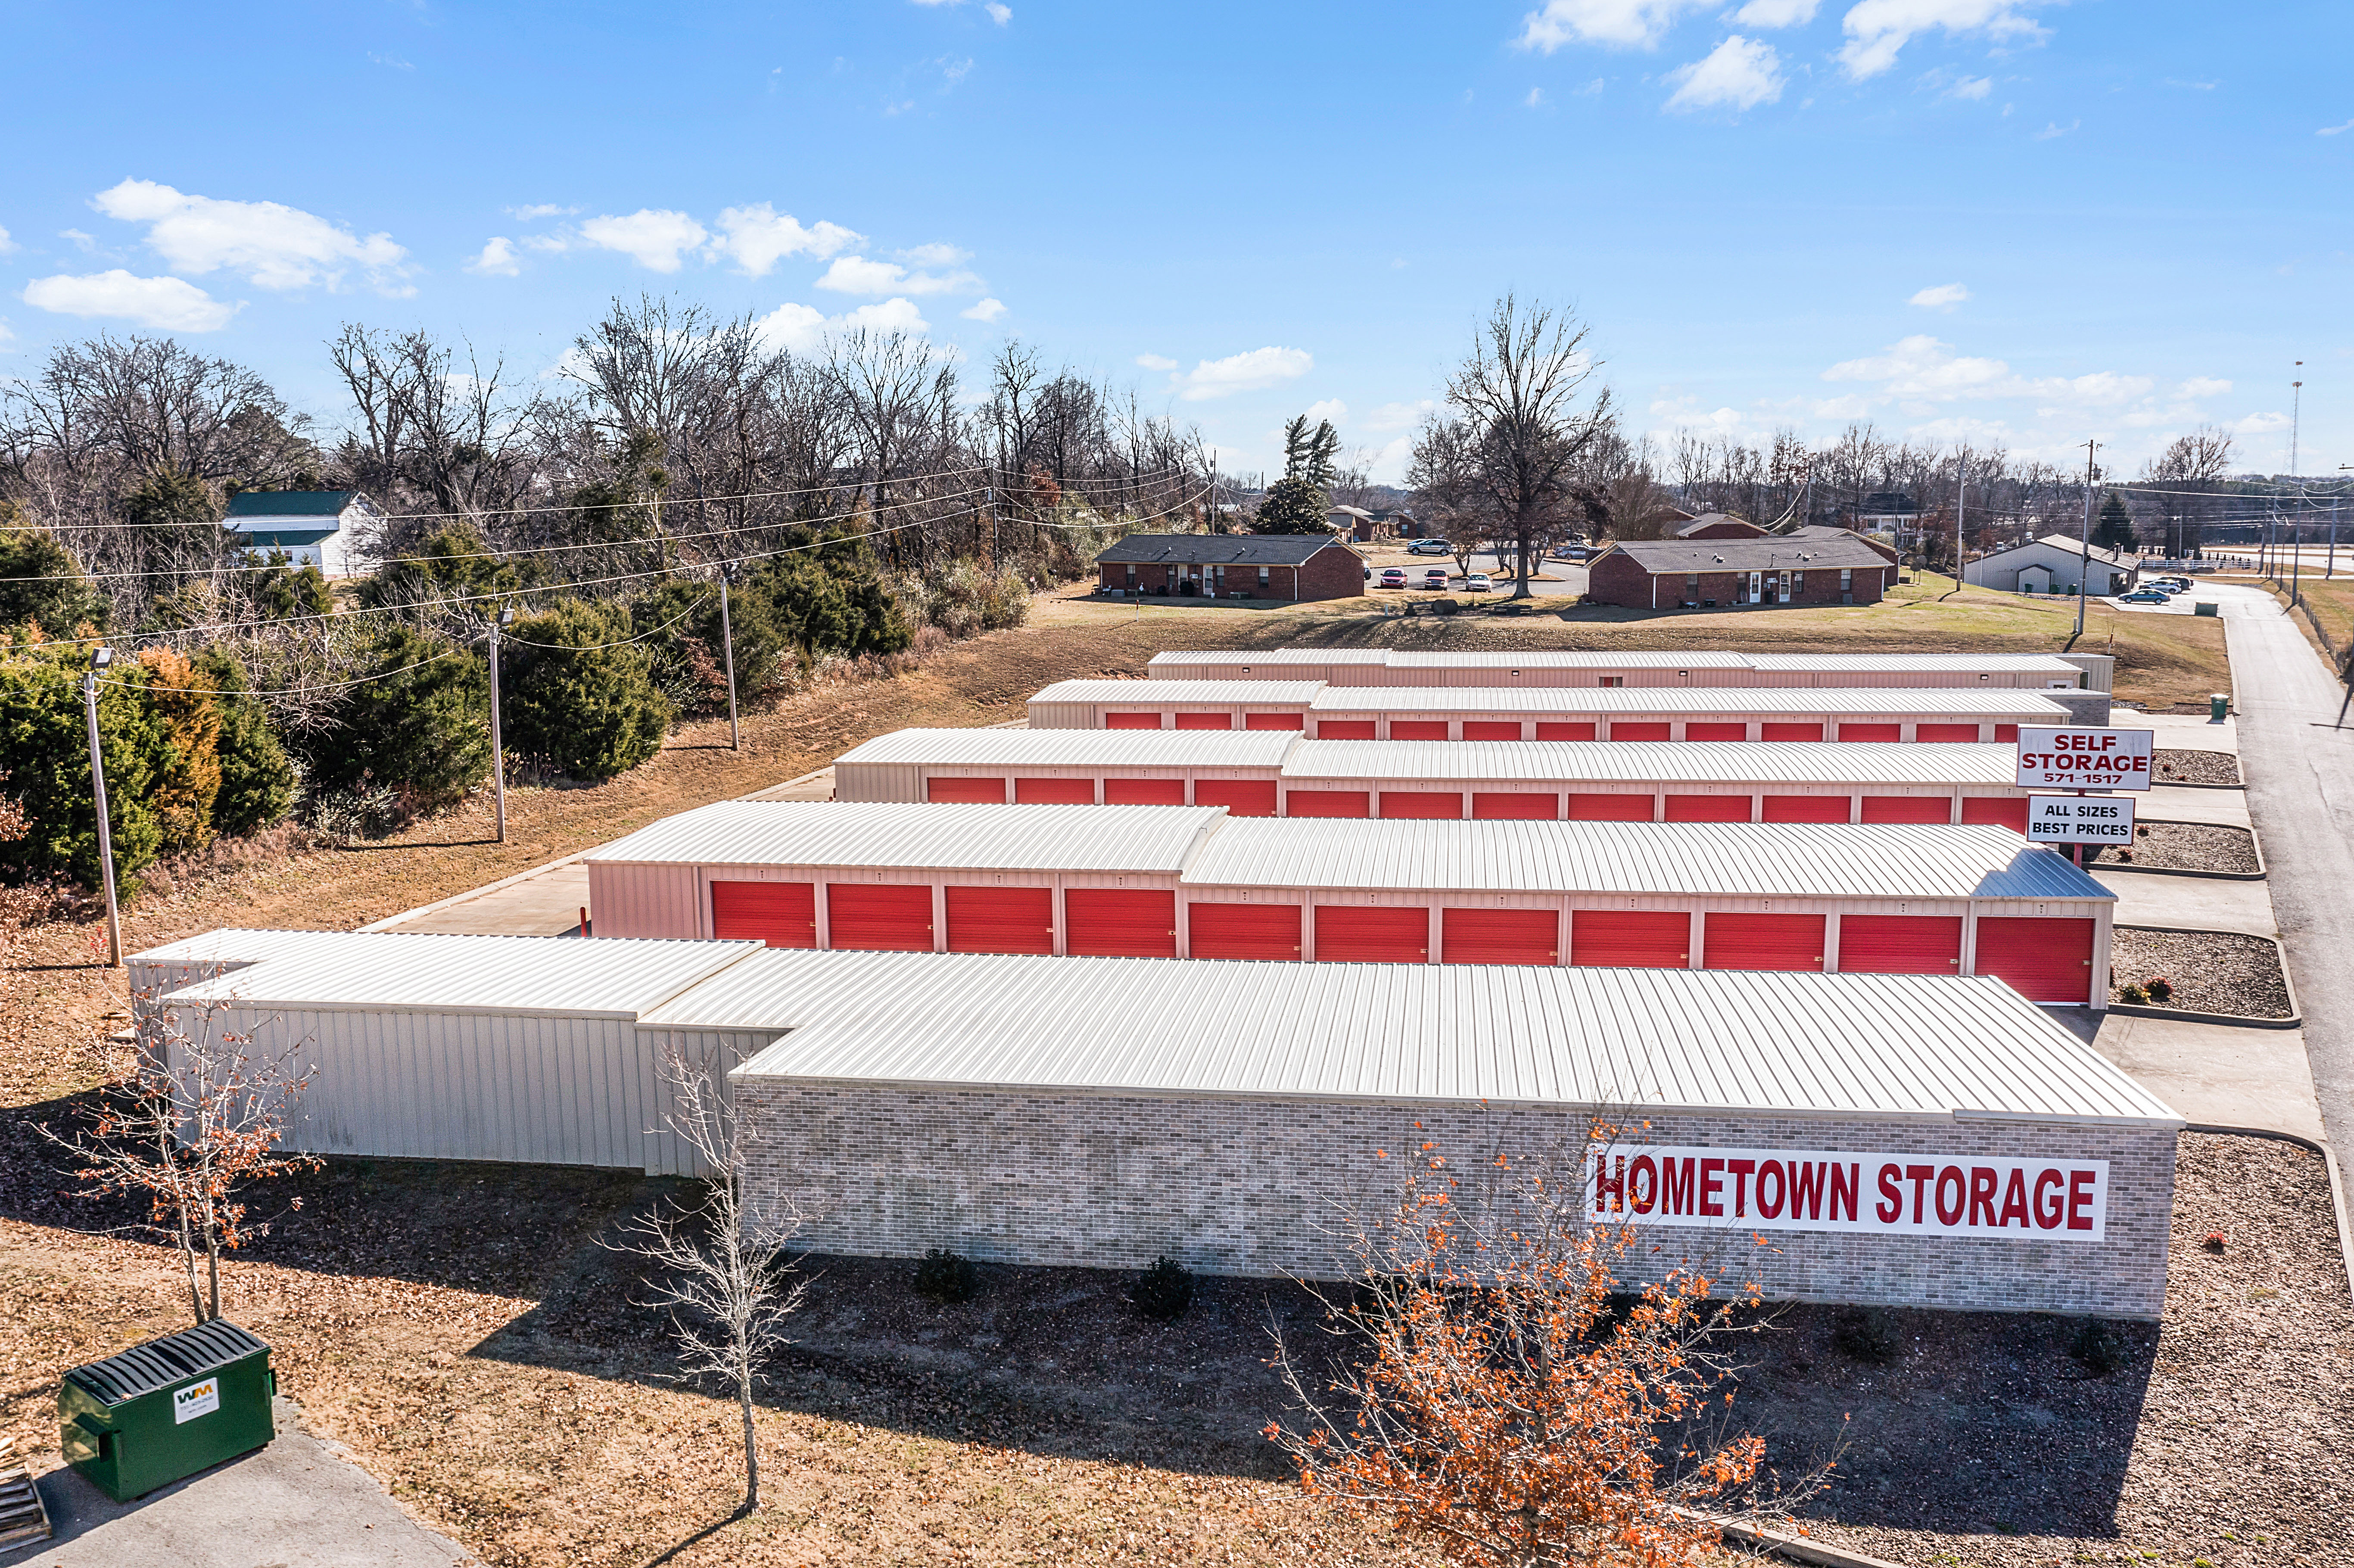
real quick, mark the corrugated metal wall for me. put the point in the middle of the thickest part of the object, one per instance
(627, 900)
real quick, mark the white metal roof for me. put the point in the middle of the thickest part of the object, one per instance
(1736, 860)
(1608, 659)
(1180, 658)
(1848, 664)
(1568, 658)
(1081, 747)
(1893, 1046)
(1162, 693)
(901, 835)
(2002, 702)
(1695, 761)
(239, 945)
(386, 971)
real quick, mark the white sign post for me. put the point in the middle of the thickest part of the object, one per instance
(2084, 758)
(2080, 819)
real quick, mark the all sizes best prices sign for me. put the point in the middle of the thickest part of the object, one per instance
(1826, 1189)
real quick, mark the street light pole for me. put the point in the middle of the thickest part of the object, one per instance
(104, 657)
(2084, 566)
(727, 644)
(498, 746)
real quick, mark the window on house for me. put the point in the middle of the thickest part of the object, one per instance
(1797, 584)
(1847, 579)
(1262, 577)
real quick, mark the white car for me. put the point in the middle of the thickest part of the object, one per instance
(1478, 582)
(1430, 547)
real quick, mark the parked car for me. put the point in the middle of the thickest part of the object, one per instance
(1478, 582)
(1393, 576)
(1435, 577)
(1430, 547)
(2144, 596)
(1571, 552)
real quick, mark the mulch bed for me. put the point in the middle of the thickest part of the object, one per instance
(2186, 846)
(2211, 971)
(2170, 767)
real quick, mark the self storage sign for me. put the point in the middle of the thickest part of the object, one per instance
(1823, 1190)
(2084, 758)
(2080, 819)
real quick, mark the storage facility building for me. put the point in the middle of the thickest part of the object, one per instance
(1179, 882)
(1589, 667)
(1260, 774)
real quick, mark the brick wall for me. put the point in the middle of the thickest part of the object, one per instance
(1254, 1187)
(1617, 580)
(1331, 574)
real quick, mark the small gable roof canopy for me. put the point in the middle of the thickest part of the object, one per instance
(1222, 549)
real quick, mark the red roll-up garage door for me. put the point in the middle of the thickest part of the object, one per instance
(1708, 808)
(1996, 811)
(1054, 791)
(1630, 938)
(966, 792)
(1499, 935)
(1144, 792)
(2042, 959)
(1804, 809)
(1329, 804)
(2006, 733)
(1789, 731)
(1418, 729)
(1001, 920)
(1610, 807)
(1357, 934)
(1491, 729)
(1717, 732)
(1121, 922)
(1905, 809)
(1501, 807)
(1646, 730)
(1345, 729)
(1563, 731)
(1764, 942)
(1243, 931)
(1901, 944)
(1945, 732)
(1274, 721)
(880, 917)
(1870, 732)
(1420, 803)
(782, 914)
(1206, 721)
(1131, 721)
(1241, 796)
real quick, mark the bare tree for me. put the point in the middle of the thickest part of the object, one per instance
(2190, 467)
(722, 1278)
(198, 1117)
(1520, 395)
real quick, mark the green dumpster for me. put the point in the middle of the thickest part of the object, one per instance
(167, 1408)
(2219, 707)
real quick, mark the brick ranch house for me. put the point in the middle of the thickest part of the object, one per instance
(1707, 574)
(1232, 565)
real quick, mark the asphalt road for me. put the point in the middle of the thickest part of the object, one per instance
(2299, 766)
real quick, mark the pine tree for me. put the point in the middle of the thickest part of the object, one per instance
(2114, 530)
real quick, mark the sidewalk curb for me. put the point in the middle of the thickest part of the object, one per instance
(471, 894)
(2255, 847)
(2296, 1019)
(2329, 1163)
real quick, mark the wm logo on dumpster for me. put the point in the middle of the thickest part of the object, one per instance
(196, 1399)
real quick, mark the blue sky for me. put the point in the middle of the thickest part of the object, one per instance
(1995, 220)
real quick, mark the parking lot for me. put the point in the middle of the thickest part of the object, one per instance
(1559, 576)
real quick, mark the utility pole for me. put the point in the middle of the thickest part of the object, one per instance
(1961, 516)
(100, 661)
(498, 747)
(727, 646)
(2084, 566)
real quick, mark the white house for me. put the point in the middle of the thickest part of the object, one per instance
(2053, 564)
(310, 528)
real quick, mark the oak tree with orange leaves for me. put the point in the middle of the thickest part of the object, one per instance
(1499, 1393)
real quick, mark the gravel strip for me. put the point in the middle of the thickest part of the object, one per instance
(2211, 971)
(2187, 846)
(2223, 1435)
(2169, 767)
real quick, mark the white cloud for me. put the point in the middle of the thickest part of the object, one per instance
(498, 259)
(934, 255)
(1155, 362)
(172, 304)
(271, 244)
(1877, 29)
(800, 329)
(2335, 130)
(537, 210)
(1398, 416)
(393, 62)
(6, 336)
(1921, 366)
(1943, 297)
(1386, 464)
(984, 311)
(1739, 73)
(757, 237)
(1639, 23)
(1001, 14)
(1248, 372)
(2056, 129)
(858, 275)
(1534, 100)
(7, 246)
(890, 315)
(652, 237)
(1776, 12)
(2202, 387)
(1331, 409)
(1971, 89)
(85, 242)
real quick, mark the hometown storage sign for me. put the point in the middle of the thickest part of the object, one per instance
(2084, 758)
(1824, 1190)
